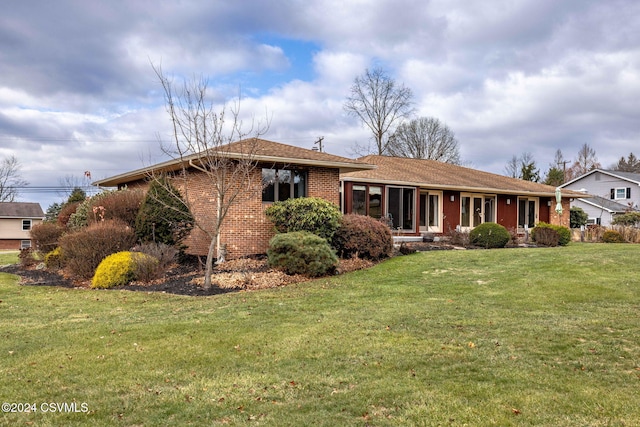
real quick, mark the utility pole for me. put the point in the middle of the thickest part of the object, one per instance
(318, 143)
(564, 170)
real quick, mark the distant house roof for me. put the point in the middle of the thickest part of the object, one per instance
(605, 204)
(20, 210)
(260, 150)
(446, 176)
(625, 176)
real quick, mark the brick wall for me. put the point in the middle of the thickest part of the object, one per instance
(246, 230)
(10, 244)
(565, 218)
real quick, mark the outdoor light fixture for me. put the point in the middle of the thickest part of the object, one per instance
(452, 198)
(508, 201)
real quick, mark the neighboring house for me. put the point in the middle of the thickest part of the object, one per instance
(16, 221)
(422, 196)
(283, 171)
(419, 196)
(613, 193)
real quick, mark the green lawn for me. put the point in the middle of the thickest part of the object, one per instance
(525, 337)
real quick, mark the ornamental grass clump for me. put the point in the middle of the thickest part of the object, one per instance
(489, 235)
(301, 252)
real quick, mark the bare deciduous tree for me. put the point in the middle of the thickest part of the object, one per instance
(202, 142)
(585, 162)
(10, 179)
(425, 138)
(380, 103)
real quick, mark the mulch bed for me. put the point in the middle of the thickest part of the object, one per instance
(188, 279)
(232, 276)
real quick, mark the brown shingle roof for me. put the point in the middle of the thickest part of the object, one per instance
(260, 150)
(445, 176)
(20, 210)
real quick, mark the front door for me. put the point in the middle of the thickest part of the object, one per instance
(430, 211)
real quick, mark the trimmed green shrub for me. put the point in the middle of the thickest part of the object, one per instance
(46, 235)
(301, 252)
(362, 236)
(54, 259)
(564, 233)
(120, 269)
(163, 216)
(489, 235)
(613, 236)
(84, 249)
(578, 217)
(312, 214)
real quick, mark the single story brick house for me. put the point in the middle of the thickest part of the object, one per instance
(16, 221)
(282, 171)
(419, 196)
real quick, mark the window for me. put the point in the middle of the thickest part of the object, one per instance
(283, 184)
(26, 224)
(527, 209)
(25, 244)
(366, 200)
(620, 193)
(476, 209)
(430, 211)
(400, 206)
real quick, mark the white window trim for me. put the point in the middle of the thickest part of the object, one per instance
(438, 228)
(25, 221)
(416, 190)
(478, 196)
(624, 193)
(537, 211)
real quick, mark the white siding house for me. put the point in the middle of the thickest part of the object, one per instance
(613, 193)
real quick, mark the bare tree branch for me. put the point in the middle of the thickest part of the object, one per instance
(425, 138)
(10, 179)
(202, 143)
(379, 103)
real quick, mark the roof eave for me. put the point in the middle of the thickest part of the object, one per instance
(464, 188)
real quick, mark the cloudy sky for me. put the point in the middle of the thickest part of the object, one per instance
(78, 92)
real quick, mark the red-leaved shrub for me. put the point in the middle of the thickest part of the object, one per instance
(46, 235)
(83, 250)
(122, 205)
(65, 213)
(363, 236)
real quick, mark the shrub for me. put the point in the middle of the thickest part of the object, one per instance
(122, 205)
(578, 217)
(27, 257)
(564, 233)
(630, 219)
(312, 214)
(547, 236)
(118, 269)
(163, 216)
(66, 211)
(459, 237)
(84, 249)
(46, 235)
(163, 257)
(301, 252)
(363, 236)
(54, 259)
(613, 236)
(489, 235)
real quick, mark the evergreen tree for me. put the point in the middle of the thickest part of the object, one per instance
(163, 217)
(630, 164)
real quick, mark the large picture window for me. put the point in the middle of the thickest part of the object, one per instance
(401, 207)
(283, 184)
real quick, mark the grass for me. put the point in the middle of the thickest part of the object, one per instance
(523, 337)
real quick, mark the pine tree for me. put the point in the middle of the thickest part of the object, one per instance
(163, 216)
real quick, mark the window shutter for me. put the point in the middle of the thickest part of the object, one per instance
(613, 193)
(628, 192)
